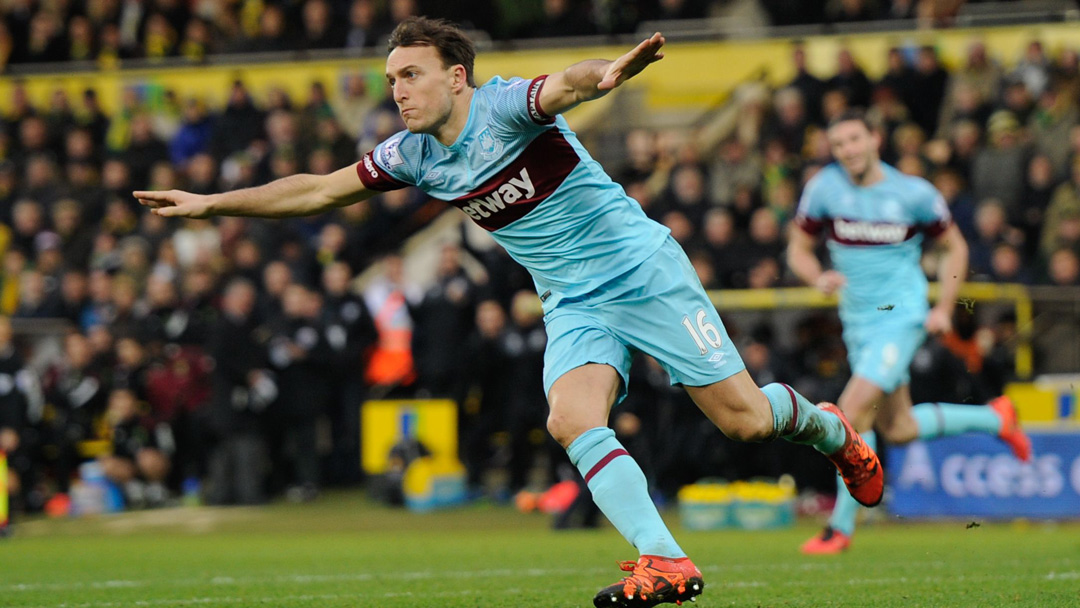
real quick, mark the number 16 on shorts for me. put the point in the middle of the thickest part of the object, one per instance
(704, 328)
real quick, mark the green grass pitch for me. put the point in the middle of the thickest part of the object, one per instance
(344, 551)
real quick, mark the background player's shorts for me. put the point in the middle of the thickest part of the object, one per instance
(659, 308)
(882, 353)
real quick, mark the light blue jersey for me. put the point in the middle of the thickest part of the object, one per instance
(875, 237)
(612, 280)
(524, 176)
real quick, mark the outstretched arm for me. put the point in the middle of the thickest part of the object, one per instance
(805, 264)
(593, 78)
(951, 274)
(292, 196)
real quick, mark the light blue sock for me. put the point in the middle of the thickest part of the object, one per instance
(843, 514)
(947, 419)
(619, 488)
(800, 421)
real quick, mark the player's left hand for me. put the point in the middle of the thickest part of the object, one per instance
(939, 321)
(630, 64)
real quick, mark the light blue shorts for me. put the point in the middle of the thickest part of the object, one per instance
(882, 354)
(659, 308)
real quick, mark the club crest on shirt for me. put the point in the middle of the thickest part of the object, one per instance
(391, 155)
(490, 146)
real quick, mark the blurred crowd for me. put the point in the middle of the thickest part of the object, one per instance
(111, 31)
(227, 359)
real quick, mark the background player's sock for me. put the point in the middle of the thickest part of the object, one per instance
(800, 421)
(843, 514)
(620, 490)
(947, 419)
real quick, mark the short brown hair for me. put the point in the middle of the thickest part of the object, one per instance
(853, 114)
(453, 45)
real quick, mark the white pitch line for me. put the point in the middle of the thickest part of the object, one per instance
(1062, 576)
(302, 579)
(423, 574)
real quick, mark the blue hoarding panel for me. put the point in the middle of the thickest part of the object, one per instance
(977, 476)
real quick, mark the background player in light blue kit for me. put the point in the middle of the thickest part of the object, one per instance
(875, 219)
(612, 281)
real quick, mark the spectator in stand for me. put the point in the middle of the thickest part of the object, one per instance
(898, 74)
(1050, 125)
(1039, 190)
(524, 344)
(74, 295)
(143, 150)
(1017, 99)
(445, 315)
(999, 168)
(1033, 69)
(735, 165)
(965, 141)
(350, 332)
(811, 87)
(991, 229)
(488, 377)
(302, 358)
(1007, 266)
(363, 28)
(927, 89)
(950, 184)
(389, 298)
(1061, 215)
(242, 389)
(851, 79)
(321, 30)
(194, 136)
(77, 394)
(788, 125)
(21, 409)
(240, 125)
(852, 11)
(1063, 268)
(138, 462)
(964, 101)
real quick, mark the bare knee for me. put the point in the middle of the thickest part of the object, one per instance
(580, 400)
(564, 428)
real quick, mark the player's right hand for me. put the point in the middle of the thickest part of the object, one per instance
(830, 282)
(175, 203)
(630, 64)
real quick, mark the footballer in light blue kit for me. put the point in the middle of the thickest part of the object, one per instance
(875, 220)
(612, 281)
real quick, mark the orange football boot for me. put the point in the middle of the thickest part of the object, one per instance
(858, 464)
(1011, 433)
(654, 580)
(829, 542)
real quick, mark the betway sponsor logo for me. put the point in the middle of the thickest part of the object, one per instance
(869, 232)
(515, 189)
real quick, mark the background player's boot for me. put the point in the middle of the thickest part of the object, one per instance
(1011, 433)
(828, 542)
(654, 580)
(858, 464)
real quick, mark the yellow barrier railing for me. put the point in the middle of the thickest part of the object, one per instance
(807, 297)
